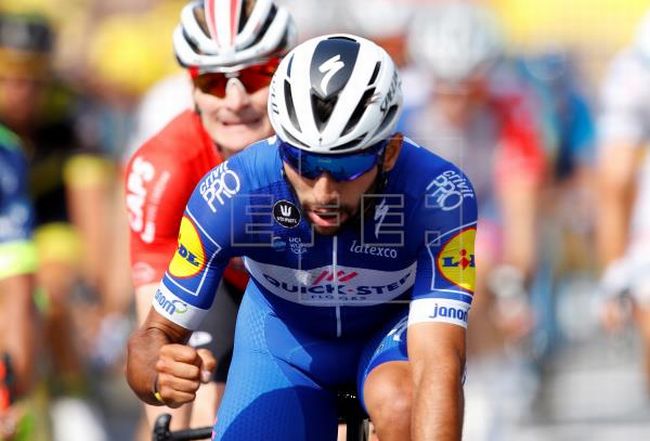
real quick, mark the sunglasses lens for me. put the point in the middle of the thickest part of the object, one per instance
(213, 83)
(252, 78)
(345, 167)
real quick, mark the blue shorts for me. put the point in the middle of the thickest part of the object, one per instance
(282, 382)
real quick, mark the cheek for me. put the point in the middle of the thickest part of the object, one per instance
(259, 100)
(206, 103)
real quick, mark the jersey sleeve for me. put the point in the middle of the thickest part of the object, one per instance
(205, 244)
(157, 189)
(17, 251)
(446, 264)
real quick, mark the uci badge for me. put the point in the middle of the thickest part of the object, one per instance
(286, 214)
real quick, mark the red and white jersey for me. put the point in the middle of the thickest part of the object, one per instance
(160, 178)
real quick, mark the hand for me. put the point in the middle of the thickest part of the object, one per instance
(181, 370)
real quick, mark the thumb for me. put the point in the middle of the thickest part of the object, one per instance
(208, 364)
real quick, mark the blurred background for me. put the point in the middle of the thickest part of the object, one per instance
(545, 104)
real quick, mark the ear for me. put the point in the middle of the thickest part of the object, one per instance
(392, 151)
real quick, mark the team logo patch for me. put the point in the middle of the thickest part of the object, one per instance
(456, 260)
(286, 214)
(189, 258)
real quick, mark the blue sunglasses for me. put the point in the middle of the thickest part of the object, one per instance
(342, 167)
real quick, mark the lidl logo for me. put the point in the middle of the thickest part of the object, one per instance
(189, 258)
(456, 261)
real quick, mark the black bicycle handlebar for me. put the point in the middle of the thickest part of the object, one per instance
(161, 431)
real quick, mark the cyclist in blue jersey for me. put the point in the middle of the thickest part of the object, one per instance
(360, 248)
(17, 266)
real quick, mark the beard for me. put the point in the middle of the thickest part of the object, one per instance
(328, 219)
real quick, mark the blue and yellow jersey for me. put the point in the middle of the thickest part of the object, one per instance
(17, 252)
(412, 247)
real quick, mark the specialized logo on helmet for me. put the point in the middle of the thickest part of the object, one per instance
(329, 68)
(189, 258)
(456, 262)
(332, 65)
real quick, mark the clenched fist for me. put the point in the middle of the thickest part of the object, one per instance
(180, 371)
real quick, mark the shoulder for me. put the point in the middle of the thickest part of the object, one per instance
(438, 186)
(175, 146)
(418, 165)
(259, 163)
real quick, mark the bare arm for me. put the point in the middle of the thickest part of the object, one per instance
(437, 355)
(520, 208)
(616, 173)
(18, 327)
(158, 358)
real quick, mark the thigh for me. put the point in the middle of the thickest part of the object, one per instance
(389, 344)
(267, 397)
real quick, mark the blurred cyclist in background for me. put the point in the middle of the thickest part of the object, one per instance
(231, 50)
(19, 322)
(481, 120)
(67, 186)
(490, 132)
(386, 22)
(624, 187)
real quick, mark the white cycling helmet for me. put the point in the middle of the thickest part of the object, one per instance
(379, 18)
(455, 40)
(336, 93)
(227, 35)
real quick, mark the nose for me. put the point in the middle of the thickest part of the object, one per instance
(326, 190)
(236, 96)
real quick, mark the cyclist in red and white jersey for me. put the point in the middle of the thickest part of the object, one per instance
(231, 49)
(624, 185)
(490, 131)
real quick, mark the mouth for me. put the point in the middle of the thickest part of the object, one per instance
(240, 123)
(327, 218)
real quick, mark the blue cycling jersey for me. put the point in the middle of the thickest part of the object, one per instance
(411, 245)
(17, 254)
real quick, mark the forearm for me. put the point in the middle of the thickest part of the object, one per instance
(612, 226)
(19, 329)
(520, 212)
(142, 355)
(617, 167)
(437, 404)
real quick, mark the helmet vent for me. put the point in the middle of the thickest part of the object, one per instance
(266, 25)
(358, 111)
(288, 97)
(349, 144)
(293, 140)
(390, 115)
(375, 72)
(246, 10)
(322, 109)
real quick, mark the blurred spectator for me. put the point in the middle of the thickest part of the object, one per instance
(480, 119)
(624, 187)
(19, 324)
(67, 186)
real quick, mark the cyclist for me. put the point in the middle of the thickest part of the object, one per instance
(473, 119)
(624, 185)
(231, 49)
(17, 268)
(352, 235)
